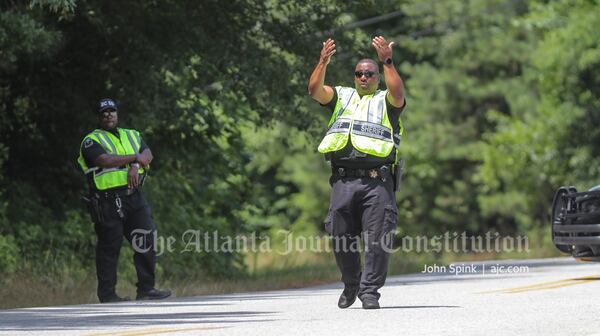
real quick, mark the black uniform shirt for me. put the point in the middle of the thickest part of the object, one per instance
(350, 157)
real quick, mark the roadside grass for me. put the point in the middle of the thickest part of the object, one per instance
(539, 245)
(267, 271)
(28, 289)
(273, 271)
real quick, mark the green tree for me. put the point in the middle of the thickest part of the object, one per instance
(552, 142)
(187, 74)
(463, 62)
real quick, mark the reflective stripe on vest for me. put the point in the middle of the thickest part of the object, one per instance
(128, 143)
(363, 120)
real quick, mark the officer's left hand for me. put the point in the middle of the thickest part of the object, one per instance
(133, 177)
(144, 158)
(383, 48)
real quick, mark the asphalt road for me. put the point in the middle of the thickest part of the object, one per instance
(534, 297)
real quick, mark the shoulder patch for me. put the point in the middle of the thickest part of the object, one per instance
(88, 143)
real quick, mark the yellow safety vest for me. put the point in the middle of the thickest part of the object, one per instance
(362, 119)
(128, 143)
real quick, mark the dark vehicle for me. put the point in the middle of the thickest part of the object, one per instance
(576, 222)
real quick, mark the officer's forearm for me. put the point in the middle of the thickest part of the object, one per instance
(316, 84)
(394, 85)
(317, 78)
(113, 161)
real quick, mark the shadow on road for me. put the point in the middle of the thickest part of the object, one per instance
(412, 307)
(418, 307)
(98, 316)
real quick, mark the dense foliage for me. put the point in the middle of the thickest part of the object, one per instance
(502, 103)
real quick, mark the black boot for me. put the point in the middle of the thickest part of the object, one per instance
(348, 297)
(153, 294)
(114, 298)
(370, 302)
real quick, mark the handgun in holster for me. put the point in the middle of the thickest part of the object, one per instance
(94, 208)
(398, 170)
(143, 178)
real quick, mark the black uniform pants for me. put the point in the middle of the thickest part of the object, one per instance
(367, 206)
(137, 227)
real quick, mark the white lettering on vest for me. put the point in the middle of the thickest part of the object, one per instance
(371, 130)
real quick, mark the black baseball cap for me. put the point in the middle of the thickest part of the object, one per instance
(105, 104)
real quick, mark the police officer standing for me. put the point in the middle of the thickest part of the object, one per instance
(115, 161)
(362, 145)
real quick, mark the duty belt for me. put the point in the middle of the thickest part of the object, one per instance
(115, 193)
(381, 172)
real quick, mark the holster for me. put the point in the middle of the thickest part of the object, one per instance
(143, 177)
(94, 208)
(398, 170)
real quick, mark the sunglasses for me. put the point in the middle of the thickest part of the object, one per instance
(367, 74)
(107, 113)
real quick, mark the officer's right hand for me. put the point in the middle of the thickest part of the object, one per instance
(133, 177)
(327, 51)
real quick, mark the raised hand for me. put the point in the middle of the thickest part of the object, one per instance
(383, 48)
(327, 51)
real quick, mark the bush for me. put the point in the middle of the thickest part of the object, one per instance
(9, 255)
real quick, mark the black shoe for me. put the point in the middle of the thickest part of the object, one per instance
(114, 298)
(154, 294)
(348, 297)
(370, 302)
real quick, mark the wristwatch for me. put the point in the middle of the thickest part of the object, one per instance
(388, 60)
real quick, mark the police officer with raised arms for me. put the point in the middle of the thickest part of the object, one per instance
(362, 145)
(115, 161)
